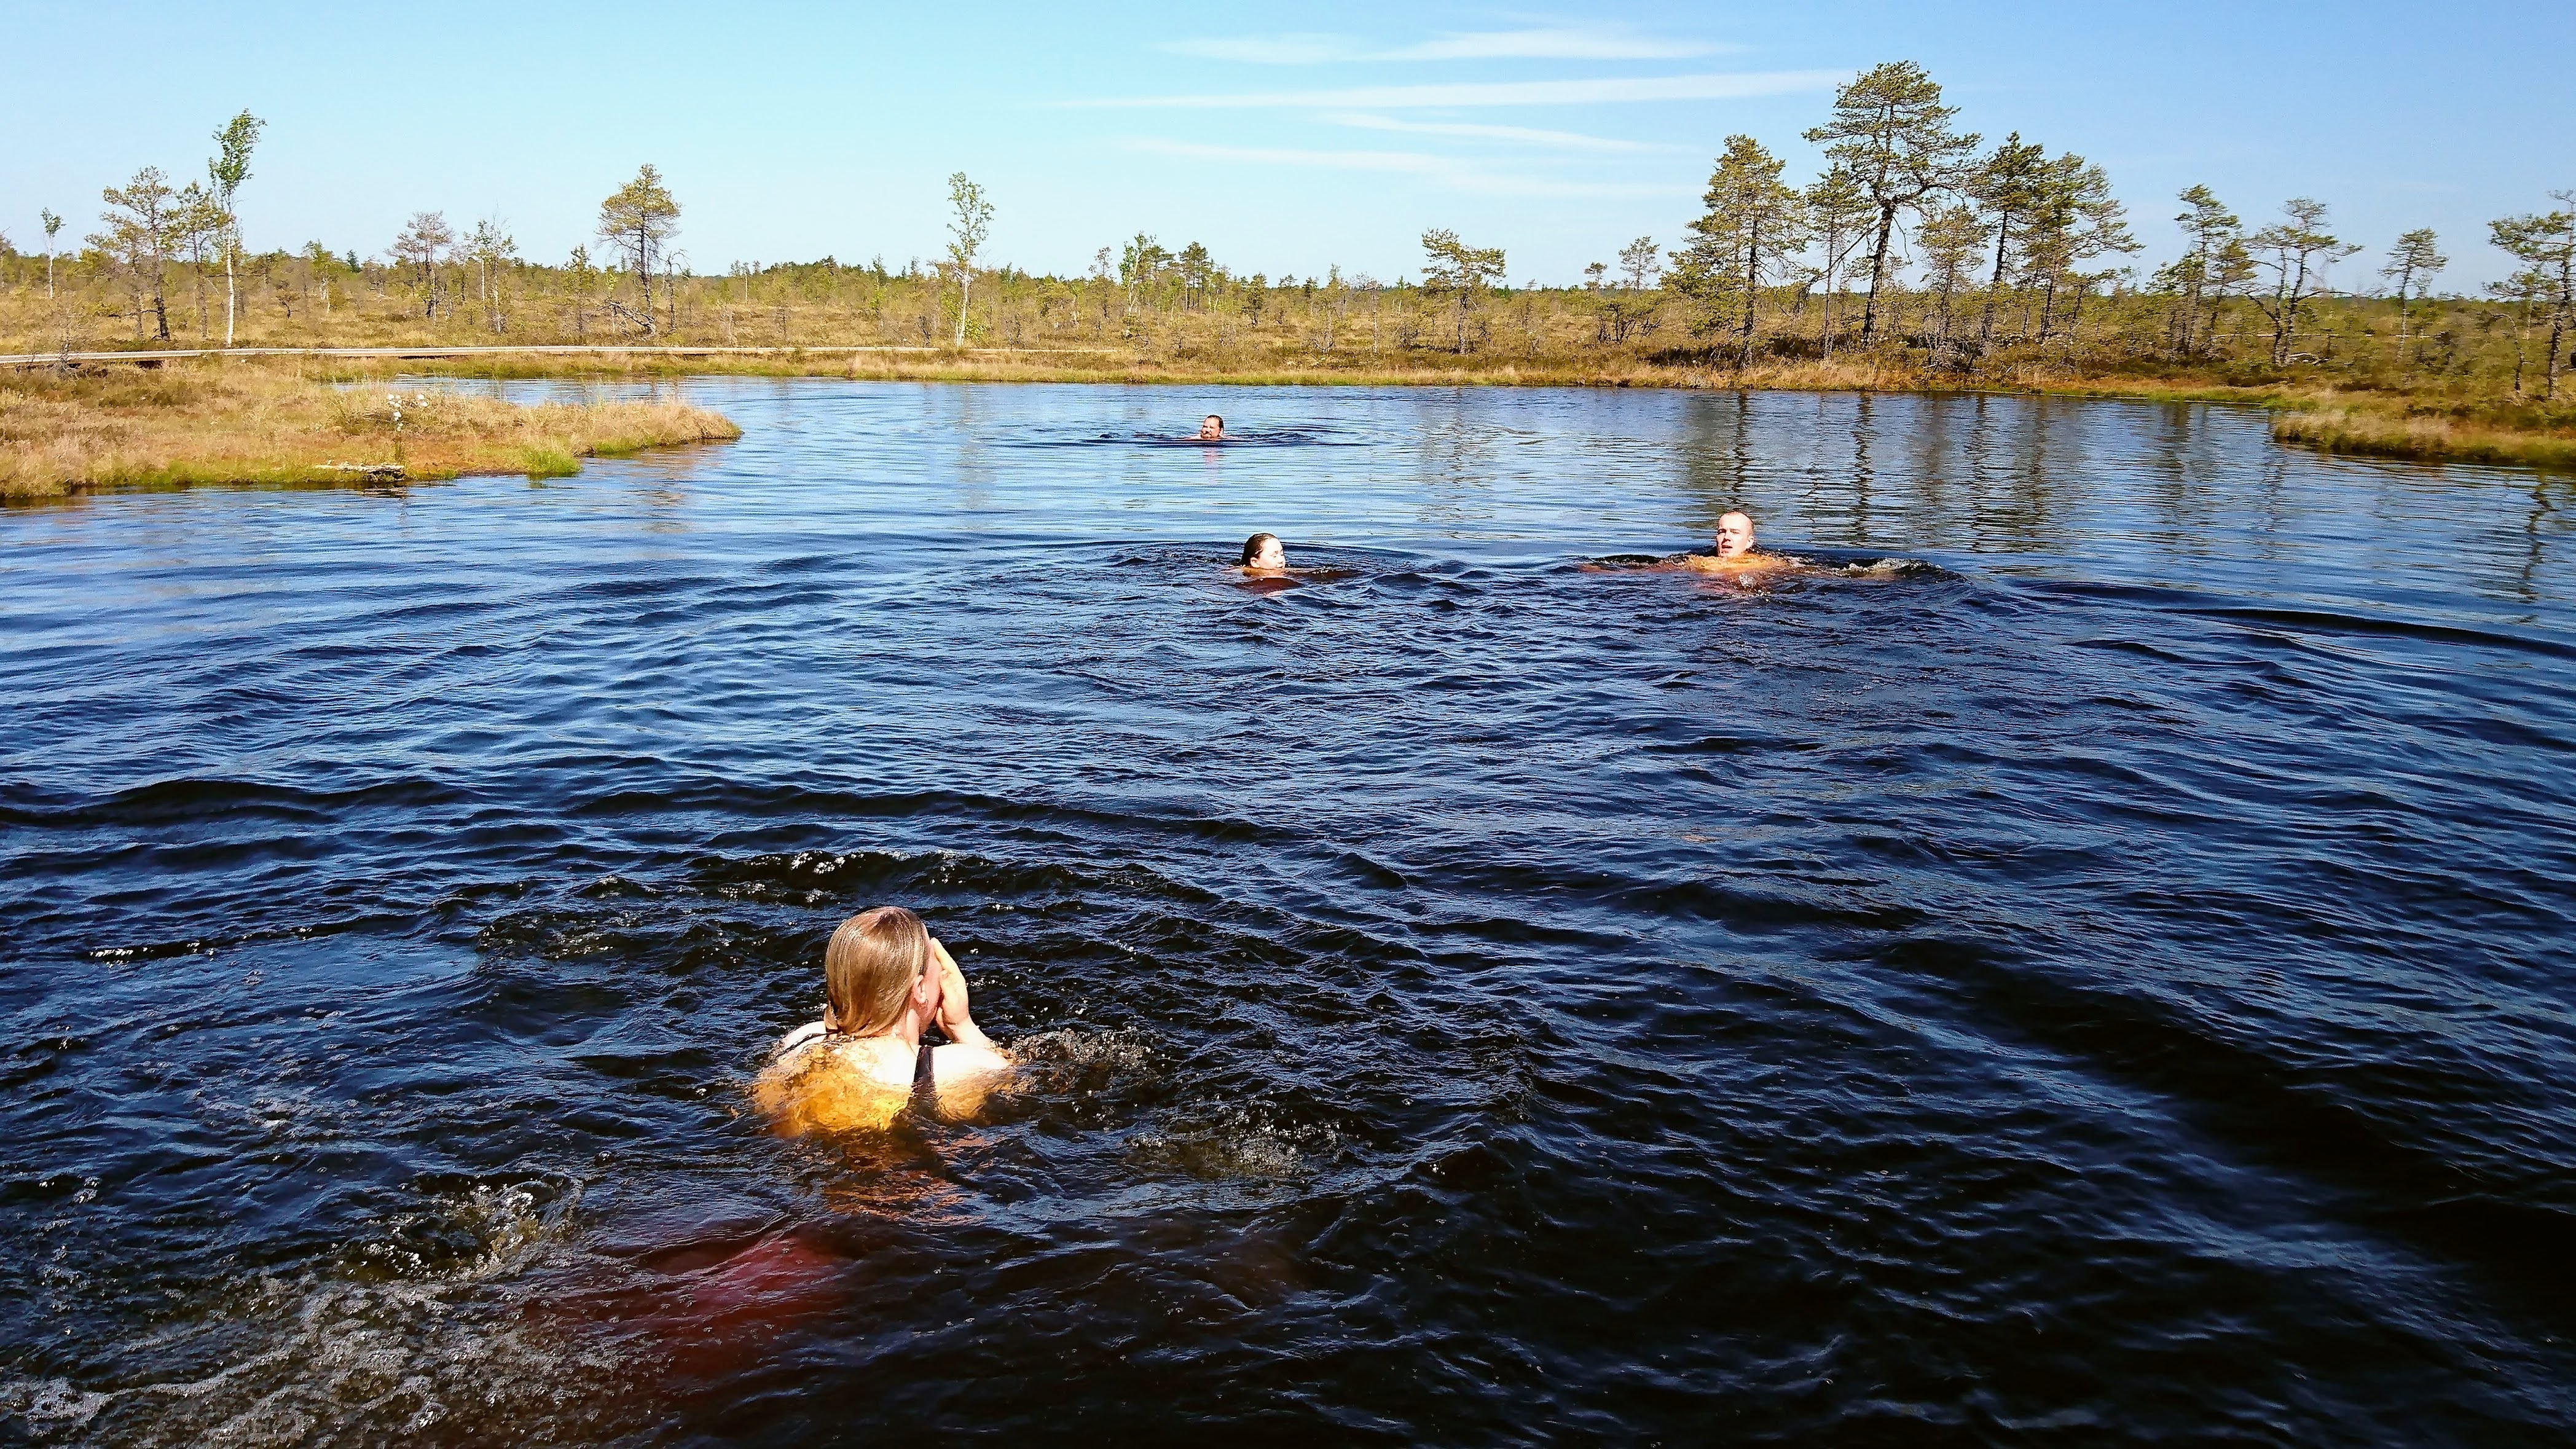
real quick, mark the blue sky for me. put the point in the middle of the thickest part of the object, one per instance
(1285, 138)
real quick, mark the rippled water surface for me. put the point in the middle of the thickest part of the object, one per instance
(2105, 982)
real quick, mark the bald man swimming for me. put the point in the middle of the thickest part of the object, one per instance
(1732, 553)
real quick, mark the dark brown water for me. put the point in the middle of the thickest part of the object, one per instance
(2106, 980)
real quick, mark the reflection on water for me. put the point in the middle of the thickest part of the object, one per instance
(2100, 980)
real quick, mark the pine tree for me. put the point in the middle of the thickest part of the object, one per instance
(2006, 187)
(2296, 250)
(2075, 220)
(1838, 211)
(2215, 262)
(2415, 259)
(2545, 243)
(140, 216)
(1752, 226)
(1461, 272)
(1952, 240)
(637, 219)
(422, 241)
(1891, 133)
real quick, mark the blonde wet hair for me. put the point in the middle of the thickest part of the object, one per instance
(869, 968)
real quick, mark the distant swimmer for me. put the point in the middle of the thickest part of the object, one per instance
(1212, 429)
(1732, 552)
(886, 982)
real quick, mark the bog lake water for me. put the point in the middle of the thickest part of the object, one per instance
(2102, 977)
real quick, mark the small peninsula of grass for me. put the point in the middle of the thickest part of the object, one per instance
(65, 431)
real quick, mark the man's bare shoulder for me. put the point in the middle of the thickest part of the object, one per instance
(1751, 563)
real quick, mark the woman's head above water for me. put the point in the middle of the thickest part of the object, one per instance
(887, 983)
(878, 964)
(1262, 551)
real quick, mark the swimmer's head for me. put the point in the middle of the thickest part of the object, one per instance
(877, 965)
(1211, 428)
(1734, 534)
(1262, 551)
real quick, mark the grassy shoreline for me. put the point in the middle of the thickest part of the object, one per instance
(300, 421)
(2424, 425)
(237, 422)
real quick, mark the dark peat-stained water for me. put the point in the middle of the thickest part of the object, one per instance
(2088, 964)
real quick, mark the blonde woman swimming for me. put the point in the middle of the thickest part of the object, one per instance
(886, 982)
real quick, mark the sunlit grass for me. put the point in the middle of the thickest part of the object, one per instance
(235, 422)
(2393, 433)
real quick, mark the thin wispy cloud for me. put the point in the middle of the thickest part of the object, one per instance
(1542, 43)
(1565, 43)
(1736, 85)
(1450, 172)
(1415, 162)
(1525, 135)
(1271, 49)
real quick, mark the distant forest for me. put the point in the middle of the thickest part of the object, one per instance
(1920, 243)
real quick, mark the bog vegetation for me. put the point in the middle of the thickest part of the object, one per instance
(64, 431)
(1924, 255)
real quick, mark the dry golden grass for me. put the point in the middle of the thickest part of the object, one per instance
(234, 423)
(2423, 424)
(275, 421)
(2393, 433)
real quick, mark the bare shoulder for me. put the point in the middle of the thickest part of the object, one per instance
(819, 1089)
(957, 1061)
(966, 1077)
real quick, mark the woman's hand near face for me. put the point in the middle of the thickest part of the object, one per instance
(954, 1017)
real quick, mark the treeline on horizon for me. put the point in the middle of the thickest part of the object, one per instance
(1920, 243)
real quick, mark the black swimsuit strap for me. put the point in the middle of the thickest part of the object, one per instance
(925, 1084)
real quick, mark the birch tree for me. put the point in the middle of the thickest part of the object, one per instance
(53, 224)
(228, 170)
(1142, 261)
(970, 221)
(320, 263)
(1891, 132)
(490, 250)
